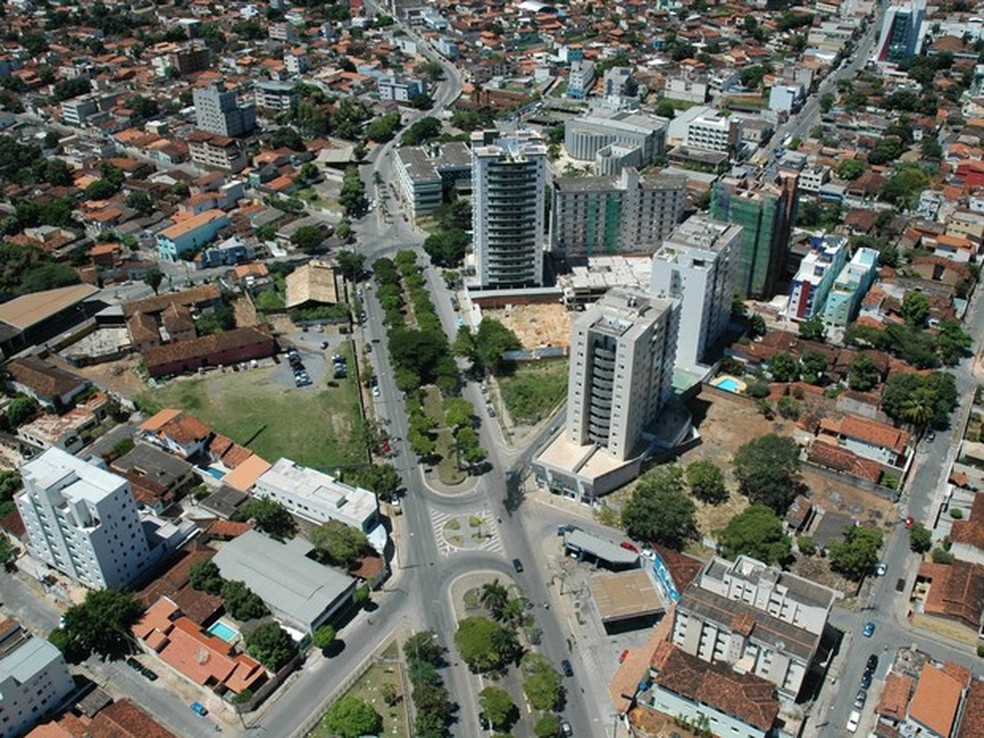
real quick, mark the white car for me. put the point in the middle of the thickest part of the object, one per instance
(852, 721)
(375, 391)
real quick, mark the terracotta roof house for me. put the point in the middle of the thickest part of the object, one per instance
(202, 658)
(244, 476)
(178, 323)
(686, 685)
(220, 349)
(123, 719)
(935, 703)
(967, 536)
(894, 702)
(175, 432)
(175, 585)
(197, 297)
(868, 438)
(956, 592)
(143, 331)
(972, 718)
(47, 383)
(826, 454)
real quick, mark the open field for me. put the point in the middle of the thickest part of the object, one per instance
(261, 408)
(370, 689)
(534, 389)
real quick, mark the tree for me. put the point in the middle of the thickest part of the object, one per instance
(352, 196)
(492, 340)
(920, 538)
(547, 727)
(784, 367)
(308, 238)
(827, 101)
(344, 231)
(447, 248)
(338, 543)
(287, 137)
(850, 169)
(660, 510)
(424, 646)
(241, 602)
(767, 470)
(813, 329)
(100, 189)
(384, 127)
(915, 309)
(269, 515)
(323, 637)
(920, 400)
(756, 326)
(497, 706)
(8, 553)
(857, 554)
(350, 262)
(153, 278)
(757, 532)
(205, 577)
(424, 130)
(383, 479)
(541, 682)
(814, 366)
(458, 412)
(102, 623)
(485, 645)
(494, 598)
(706, 481)
(864, 373)
(20, 409)
(952, 341)
(271, 645)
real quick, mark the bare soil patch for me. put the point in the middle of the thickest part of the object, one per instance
(536, 325)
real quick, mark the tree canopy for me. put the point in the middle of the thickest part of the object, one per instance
(101, 624)
(484, 644)
(767, 470)
(497, 706)
(241, 602)
(269, 515)
(660, 510)
(857, 554)
(706, 481)
(922, 400)
(271, 645)
(757, 532)
(205, 577)
(338, 543)
(541, 682)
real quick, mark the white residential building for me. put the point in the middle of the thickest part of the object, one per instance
(34, 679)
(697, 265)
(317, 496)
(714, 132)
(580, 79)
(82, 520)
(509, 177)
(816, 275)
(218, 111)
(399, 89)
(812, 179)
(758, 618)
(621, 370)
(585, 137)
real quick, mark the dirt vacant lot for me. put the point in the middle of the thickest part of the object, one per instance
(536, 325)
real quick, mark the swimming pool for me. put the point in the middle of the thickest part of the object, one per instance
(213, 472)
(223, 631)
(730, 384)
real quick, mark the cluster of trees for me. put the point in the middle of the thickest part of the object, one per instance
(857, 554)
(757, 532)
(383, 479)
(911, 341)
(308, 239)
(238, 599)
(269, 515)
(24, 270)
(352, 196)
(384, 127)
(767, 470)
(100, 625)
(10, 484)
(271, 645)
(338, 544)
(485, 346)
(20, 409)
(472, 120)
(352, 717)
(447, 248)
(434, 710)
(424, 130)
(811, 366)
(486, 645)
(920, 399)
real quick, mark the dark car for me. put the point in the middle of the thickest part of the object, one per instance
(565, 666)
(483, 722)
(866, 680)
(872, 663)
(517, 565)
(566, 728)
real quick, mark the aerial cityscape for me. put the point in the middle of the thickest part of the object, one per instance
(516, 368)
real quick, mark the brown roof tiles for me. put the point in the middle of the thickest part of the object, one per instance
(971, 531)
(45, 379)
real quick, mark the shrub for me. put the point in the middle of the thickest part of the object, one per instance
(956, 513)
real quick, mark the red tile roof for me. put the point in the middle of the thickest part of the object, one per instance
(125, 720)
(894, 702)
(956, 591)
(970, 531)
(747, 697)
(972, 722)
(936, 700)
(841, 459)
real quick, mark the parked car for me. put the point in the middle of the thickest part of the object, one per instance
(852, 721)
(869, 629)
(910, 521)
(866, 680)
(623, 656)
(565, 666)
(566, 728)
(872, 663)
(629, 547)
(199, 708)
(860, 698)
(881, 569)
(483, 722)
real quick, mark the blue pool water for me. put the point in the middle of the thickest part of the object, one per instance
(223, 631)
(729, 384)
(217, 473)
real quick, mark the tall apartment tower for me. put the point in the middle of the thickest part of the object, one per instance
(697, 265)
(901, 35)
(766, 211)
(218, 111)
(509, 177)
(82, 520)
(621, 374)
(629, 214)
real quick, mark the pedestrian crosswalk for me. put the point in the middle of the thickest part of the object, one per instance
(457, 532)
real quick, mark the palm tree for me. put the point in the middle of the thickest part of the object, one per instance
(494, 598)
(920, 407)
(513, 611)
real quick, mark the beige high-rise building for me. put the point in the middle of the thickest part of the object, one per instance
(621, 370)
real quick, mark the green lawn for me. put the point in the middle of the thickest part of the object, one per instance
(447, 468)
(315, 426)
(534, 389)
(369, 688)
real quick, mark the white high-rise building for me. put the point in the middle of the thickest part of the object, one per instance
(34, 679)
(218, 111)
(82, 520)
(509, 177)
(621, 373)
(697, 265)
